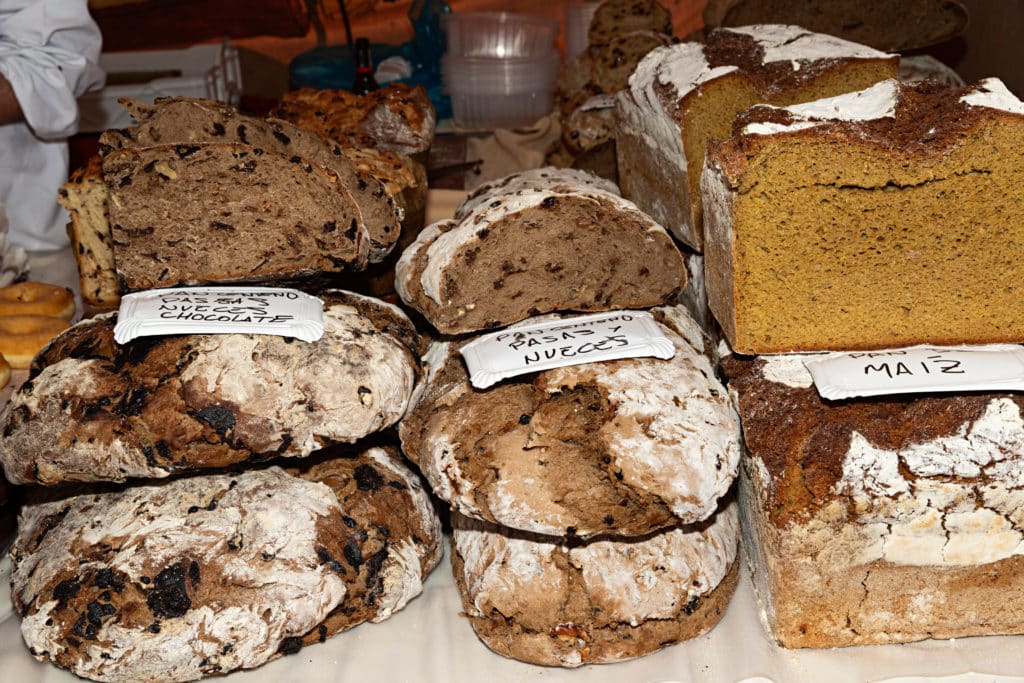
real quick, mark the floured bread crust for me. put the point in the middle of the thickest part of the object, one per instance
(93, 410)
(179, 580)
(213, 573)
(532, 598)
(544, 240)
(879, 520)
(616, 447)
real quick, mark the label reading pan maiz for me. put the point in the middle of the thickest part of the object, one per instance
(532, 347)
(220, 310)
(918, 369)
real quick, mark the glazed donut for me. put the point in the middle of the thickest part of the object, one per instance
(5, 371)
(21, 336)
(37, 298)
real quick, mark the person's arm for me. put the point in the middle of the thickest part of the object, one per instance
(10, 110)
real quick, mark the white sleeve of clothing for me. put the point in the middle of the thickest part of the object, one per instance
(49, 51)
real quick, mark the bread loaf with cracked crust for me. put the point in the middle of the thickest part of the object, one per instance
(272, 218)
(212, 573)
(397, 117)
(189, 121)
(93, 410)
(539, 600)
(682, 96)
(878, 520)
(543, 240)
(616, 448)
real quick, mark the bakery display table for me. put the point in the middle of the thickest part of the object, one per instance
(430, 641)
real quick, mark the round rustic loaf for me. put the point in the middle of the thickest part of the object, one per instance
(543, 240)
(93, 410)
(621, 447)
(535, 599)
(213, 573)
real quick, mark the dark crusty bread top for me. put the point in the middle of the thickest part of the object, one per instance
(920, 118)
(803, 440)
(892, 25)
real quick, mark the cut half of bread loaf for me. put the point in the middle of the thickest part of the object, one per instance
(85, 198)
(189, 121)
(681, 96)
(888, 217)
(539, 241)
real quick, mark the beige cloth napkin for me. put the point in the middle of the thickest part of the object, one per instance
(510, 151)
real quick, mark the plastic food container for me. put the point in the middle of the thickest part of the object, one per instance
(500, 93)
(498, 34)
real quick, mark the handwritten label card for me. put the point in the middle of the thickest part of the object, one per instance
(220, 310)
(918, 369)
(563, 342)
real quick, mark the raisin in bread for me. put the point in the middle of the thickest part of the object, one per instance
(617, 448)
(878, 520)
(681, 96)
(539, 241)
(94, 410)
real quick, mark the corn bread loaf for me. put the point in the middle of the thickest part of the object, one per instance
(887, 217)
(880, 520)
(541, 600)
(681, 96)
(94, 410)
(539, 241)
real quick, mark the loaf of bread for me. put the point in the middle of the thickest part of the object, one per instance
(887, 217)
(94, 410)
(539, 600)
(890, 25)
(208, 574)
(879, 520)
(612, 18)
(85, 198)
(539, 241)
(397, 117)
(615, 448)
(253, 216)
(681, 96)
(190, 121)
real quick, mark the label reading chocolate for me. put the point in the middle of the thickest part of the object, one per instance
(220, 310)
(558, 343)
(918, 369)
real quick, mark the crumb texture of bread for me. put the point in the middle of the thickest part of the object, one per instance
(684, 95)
(878, 520)
(543, 240)
(883, 218)
(85, 198)
(536, 599)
